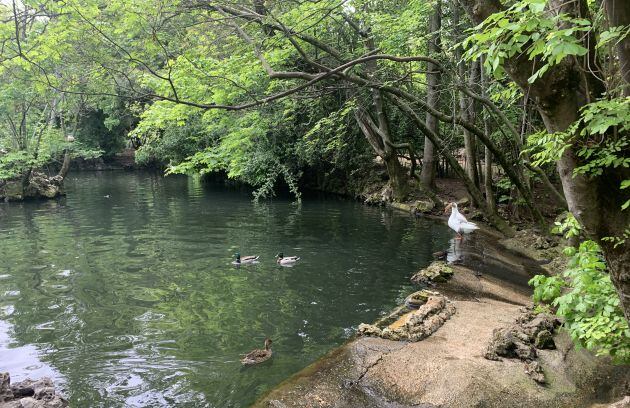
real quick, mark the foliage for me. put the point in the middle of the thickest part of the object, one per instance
(585, 298)
(601, 134)
(568, 226)
(526, 28)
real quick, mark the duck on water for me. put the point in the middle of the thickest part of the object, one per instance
(286, 260)
(239, 260)
(258, 356)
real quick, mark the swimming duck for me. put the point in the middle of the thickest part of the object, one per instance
(244, 259)
(258, 356)
(286, 260)
(458, 222)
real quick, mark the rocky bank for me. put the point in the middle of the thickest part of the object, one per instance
(29, 393)
(485, 355)
(39, 186)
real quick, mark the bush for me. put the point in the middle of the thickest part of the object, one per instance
(585, 298)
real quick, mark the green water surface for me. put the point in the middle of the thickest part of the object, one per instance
(124, 291)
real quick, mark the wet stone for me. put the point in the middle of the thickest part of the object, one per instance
(29, 393)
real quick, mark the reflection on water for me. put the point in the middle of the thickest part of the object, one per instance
(124, 291)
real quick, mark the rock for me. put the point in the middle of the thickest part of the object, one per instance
(417, 299)
(368, 330)
(539, 323)
(5, 387)
(415, 207)
(544, 340)
(534, 370)
(277, 404)
(417, 324)
(424, 206)
(39, 186)
(29, 393)
(463, 202)
(402, 206)
(541, 243)
(438, 271)
(507, 342)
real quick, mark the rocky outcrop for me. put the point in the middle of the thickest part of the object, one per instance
(448, 369)
(438, 271)
(521, 340)
(29, 393)
(416, 324)
(39, 186)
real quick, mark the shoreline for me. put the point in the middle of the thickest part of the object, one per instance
(448, 368)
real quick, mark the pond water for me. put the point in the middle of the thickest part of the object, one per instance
(125, 294)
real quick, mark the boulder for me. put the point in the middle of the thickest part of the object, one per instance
(417, 324)
(5, 387)
(520, 340)
(39, 186)
(438, 271)
(29, 393)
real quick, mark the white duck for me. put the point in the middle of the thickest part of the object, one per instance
(458, 222)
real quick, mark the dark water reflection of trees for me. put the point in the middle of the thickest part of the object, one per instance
(132, 299)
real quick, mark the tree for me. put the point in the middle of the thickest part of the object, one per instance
(586, 116)
(433, 80)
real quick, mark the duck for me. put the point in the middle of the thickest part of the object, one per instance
(239, 260)
(458, 222)
(286, 260)
(258, 356)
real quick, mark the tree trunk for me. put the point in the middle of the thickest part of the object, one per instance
(433, 80)
(595, 201)
(397, 177)
(618, 12)
(487, 162)
(465, 108)
(385, 150)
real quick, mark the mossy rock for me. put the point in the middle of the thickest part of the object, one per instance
(438, 271)
(417, 299)
(415, 207)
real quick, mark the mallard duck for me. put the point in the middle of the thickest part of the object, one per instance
(458, 222)
(286, 260)
(258, 356)
(238, 259)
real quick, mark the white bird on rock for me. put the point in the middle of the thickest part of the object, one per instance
(458, 222)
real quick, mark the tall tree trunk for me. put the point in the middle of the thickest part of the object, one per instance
(385, 149)
(487, 160)
(618, 12)
(433, 80)
(595, 201)
(379, 134)
(465, 103)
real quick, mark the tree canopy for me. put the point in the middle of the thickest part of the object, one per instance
(532, 92)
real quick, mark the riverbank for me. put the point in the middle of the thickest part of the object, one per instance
(448, 369)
